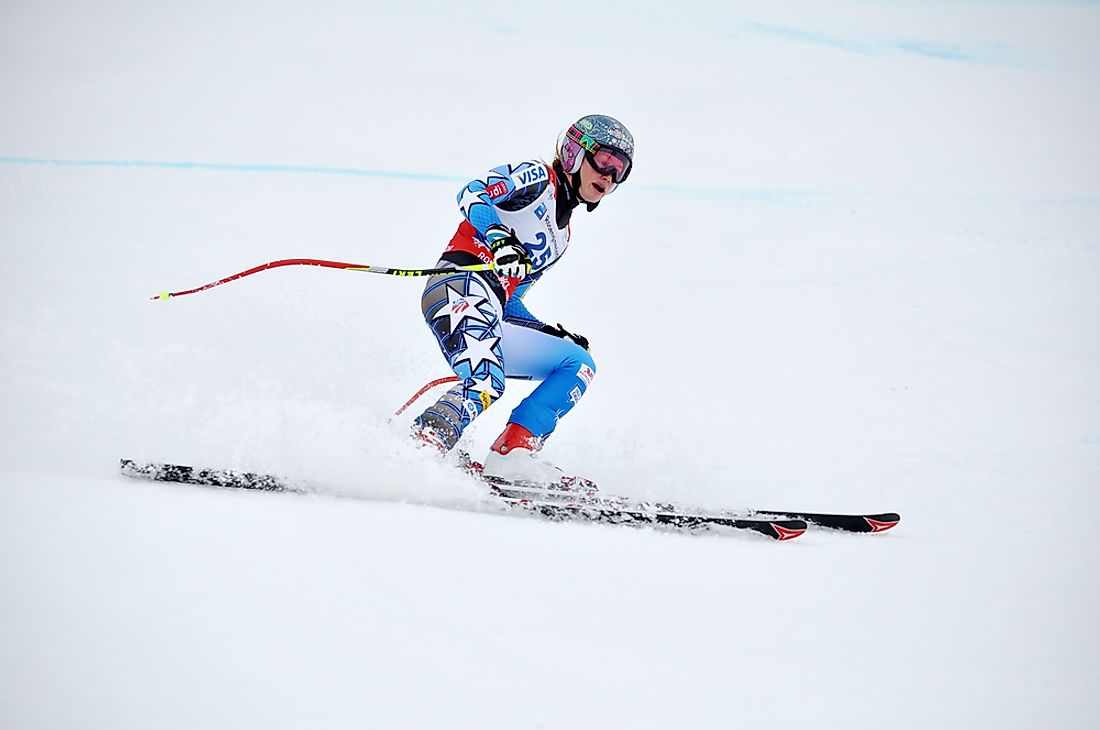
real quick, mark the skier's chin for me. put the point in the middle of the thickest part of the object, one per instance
(593, 193)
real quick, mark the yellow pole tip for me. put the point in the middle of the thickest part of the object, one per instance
(164, 295)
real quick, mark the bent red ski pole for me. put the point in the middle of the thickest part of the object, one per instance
(328, 264)
(425, 389)
(440, 381)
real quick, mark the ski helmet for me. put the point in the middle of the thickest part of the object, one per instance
(605, 141)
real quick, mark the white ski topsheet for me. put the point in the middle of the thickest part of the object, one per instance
(855, 269)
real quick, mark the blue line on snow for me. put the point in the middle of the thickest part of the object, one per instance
(233, 167)
(868, 47)
(359, 172)
(750, 194)
(775, 195)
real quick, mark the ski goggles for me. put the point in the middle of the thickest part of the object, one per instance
(605, 160)
(609, 161)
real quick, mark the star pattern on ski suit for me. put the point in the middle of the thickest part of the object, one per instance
(484, 385)
(460, 307)
(477, 351)
(469, 199)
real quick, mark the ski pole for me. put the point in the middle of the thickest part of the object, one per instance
(440, 381)
(329, 264)
(425, 389)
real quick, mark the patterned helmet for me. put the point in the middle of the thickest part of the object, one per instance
(606, 142)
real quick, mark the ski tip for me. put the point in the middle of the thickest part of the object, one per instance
(788, 530)
(883, 522)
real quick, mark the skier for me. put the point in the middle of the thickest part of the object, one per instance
(516, 222)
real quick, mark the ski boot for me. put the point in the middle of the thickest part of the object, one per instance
(514, 468)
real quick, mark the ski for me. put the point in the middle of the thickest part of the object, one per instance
(880, 522)
(574, 499)
(205, 477)
(580, 499)
(586, 492)
(655, 515)
(577, 500)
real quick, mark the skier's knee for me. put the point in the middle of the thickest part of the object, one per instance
(584, 365)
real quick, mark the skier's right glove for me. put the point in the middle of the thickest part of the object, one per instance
(510, 258)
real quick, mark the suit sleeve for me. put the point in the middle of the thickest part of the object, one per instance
(509, 187)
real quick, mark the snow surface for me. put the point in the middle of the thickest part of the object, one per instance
(857, 268)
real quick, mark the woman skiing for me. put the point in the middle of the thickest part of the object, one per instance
(515, 227)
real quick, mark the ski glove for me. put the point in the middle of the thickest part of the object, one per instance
(510, 258)
(565, 334)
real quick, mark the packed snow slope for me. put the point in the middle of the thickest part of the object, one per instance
(857, 267)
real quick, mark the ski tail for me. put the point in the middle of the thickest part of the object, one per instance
(226, 478)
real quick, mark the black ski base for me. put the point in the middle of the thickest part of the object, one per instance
(205, 477)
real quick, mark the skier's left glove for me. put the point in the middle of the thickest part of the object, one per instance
(565, 334)
(510, 258)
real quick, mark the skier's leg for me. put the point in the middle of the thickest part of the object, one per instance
(566, 370)
(466, 320)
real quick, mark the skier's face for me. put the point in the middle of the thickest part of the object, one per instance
(593, 185)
